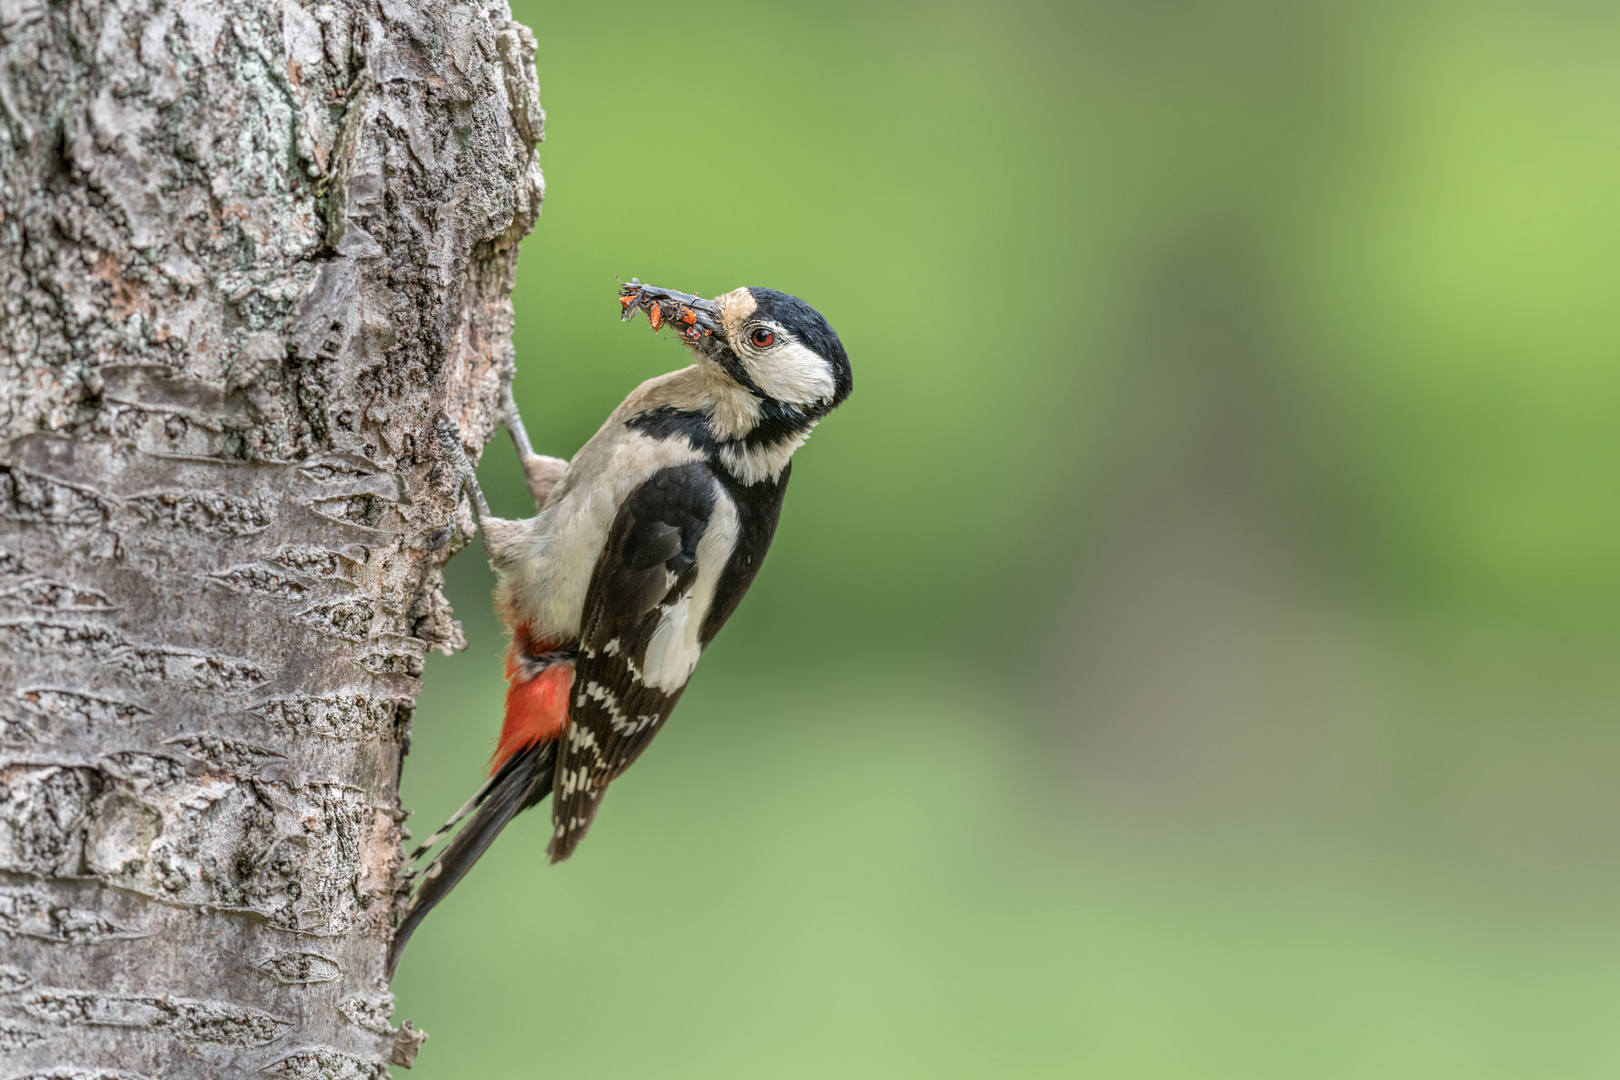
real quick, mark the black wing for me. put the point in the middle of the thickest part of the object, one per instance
(648, 565)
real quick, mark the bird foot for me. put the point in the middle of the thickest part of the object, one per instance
(466, 476)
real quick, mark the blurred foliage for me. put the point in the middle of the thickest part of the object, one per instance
(1191, 651)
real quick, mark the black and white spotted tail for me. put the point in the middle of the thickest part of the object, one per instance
(522, 781)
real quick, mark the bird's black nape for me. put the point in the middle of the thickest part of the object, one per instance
(522, 781)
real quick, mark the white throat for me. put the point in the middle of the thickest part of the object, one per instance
(751, 464)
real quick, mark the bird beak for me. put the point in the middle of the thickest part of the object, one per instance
(693, 317)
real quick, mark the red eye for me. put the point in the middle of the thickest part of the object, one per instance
(762, 338)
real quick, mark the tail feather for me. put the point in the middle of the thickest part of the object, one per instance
(521, 781)
(444, 830)
(500, 776)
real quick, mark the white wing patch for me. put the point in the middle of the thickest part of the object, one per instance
(674, 649)
(669, 660)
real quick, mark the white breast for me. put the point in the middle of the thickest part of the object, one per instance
(545, 563)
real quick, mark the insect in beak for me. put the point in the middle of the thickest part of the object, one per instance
(694, 317)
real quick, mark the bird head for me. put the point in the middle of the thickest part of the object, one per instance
(774, 346)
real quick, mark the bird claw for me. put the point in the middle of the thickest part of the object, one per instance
(455, 453)
(449, 435)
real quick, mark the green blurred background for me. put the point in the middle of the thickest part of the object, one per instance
(1193, 651)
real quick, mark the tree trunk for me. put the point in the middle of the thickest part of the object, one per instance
(248, 253)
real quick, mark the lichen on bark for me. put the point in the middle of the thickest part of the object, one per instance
(248, 252)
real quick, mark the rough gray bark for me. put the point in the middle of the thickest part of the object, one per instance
(248, 251)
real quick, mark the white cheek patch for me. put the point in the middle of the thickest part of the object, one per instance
(791, 373)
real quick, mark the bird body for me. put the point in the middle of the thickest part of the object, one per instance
(642, 547)
(545, 562)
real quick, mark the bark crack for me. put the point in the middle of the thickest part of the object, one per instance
(247, 255)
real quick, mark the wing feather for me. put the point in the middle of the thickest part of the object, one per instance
(642, 587)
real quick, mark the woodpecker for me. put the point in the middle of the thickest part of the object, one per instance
(642, 547)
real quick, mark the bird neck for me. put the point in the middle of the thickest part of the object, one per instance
(749, 436)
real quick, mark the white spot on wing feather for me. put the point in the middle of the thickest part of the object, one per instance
(616, 717)
(581, 737)
(575, 780)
